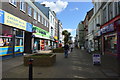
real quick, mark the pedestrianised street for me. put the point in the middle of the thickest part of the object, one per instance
(78, 65)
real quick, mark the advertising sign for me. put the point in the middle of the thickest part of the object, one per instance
(29, 27)
(108, 28)
(1, 16)
(96, 59)
(14, 21)
(41, 32)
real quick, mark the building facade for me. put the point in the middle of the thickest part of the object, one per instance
(80, 34)
(86, 27)
(22, 24)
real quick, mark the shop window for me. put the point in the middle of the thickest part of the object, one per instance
(19, 42)
(5, 41)
(13, 2)
(22, 5)
(111, 43)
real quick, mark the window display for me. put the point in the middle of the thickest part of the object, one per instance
(111, 43)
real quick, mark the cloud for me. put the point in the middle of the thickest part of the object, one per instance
(57, 6)
(70, 30)
(74, 9)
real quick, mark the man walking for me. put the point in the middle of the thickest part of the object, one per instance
(66, 48)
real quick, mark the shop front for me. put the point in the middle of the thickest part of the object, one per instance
(11, 35)
(41, 39)
(110, 37)
(97, 41)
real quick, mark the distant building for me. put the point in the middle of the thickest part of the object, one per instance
(86, 33)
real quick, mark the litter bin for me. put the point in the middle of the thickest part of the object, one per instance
(96, 59)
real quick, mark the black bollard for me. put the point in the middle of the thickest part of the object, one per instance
(30, 69)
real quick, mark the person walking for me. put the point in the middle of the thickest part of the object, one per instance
(66, 48)
(72, 45)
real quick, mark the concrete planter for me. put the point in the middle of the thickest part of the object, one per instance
(40, 59)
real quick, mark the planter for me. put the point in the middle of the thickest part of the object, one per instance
(40, 59)
(58, 50)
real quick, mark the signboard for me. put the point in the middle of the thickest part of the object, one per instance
(41, 32)
(56, 37)
(108, 28)
(29, 27)
(14, 21)
(96, 59)
(1, 16)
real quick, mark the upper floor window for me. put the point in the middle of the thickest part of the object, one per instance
(35, 15)
(43, 21)
(38, 17)
(110, 11)
(29, 10)
(51, 18)
(22, 5)
(104, 15)
(119, 7)
(13, 2)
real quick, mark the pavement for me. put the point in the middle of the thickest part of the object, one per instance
(79, 64)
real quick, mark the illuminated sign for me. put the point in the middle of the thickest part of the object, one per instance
(14, 21)
(1, 16)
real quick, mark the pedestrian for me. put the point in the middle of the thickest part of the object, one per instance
(66, 48)
(72, 47)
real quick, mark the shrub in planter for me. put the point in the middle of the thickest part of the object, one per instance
(58, 50)
(40, 59)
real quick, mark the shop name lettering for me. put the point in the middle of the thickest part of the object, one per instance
(108, 28)
(15, 22)
(39, 31)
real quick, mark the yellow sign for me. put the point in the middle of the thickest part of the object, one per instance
(14, 21)
(55, 37)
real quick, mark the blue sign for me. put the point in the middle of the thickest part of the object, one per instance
(108, 28)
(29, 27)
(1, 16)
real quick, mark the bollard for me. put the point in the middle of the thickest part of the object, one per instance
(30, 69)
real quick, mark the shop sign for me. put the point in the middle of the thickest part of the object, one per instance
(29, 27)
(108, 28)
(1, 16)
(56, 37)
(98, 33)
(14, 21)
(41, 32)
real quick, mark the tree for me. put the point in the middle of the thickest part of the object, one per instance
(67, 35)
